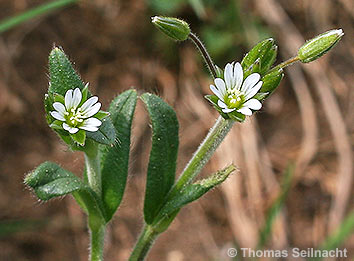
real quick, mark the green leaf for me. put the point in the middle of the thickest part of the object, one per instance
(62, 75)
(194, 191)
(163, 154)
(106, 134)
(101, 115)
(49, 180)
(115, 158)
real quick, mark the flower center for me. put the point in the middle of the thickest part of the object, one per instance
(74, 117)
(234, 98)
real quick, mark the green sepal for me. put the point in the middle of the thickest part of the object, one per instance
(106, 134)
(79, 137)
(115, 159)
(261, 96)
(48, 107)
(192, 192)
(213, 99)
(85, 93)
(271, 81)
(56, 125)
(163, 154)
(237, 116)
(254, 68)
(101, 115)
(62, 75)
(265, 51)
(59, 98)
(219, 72)
(49, 180)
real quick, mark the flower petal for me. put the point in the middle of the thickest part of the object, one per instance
(253, 90)
(220, 84)
(222, 104)
(92, 110)
(216, 91)
(77, 96)
(238, 75)
(228, 110)
(59, 107)
(87, 104)
(253, 104)
(91, 124)
(228, 75)
(72, 130)
(69, 99)
(250, 81)
(245, 111)
(57, 115)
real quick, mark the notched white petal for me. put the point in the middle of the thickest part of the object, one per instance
(253, 90)
(245, 111)
(92, 122)
(59, 107)
(253, 104)
(87, 104)
(92, 110)
(250, 81)
(220, 84)
(228, 110)
(228, 75)
(222, 104)
(215, 91)
(72, 130)
(69, 99)
(238, 75)
(57, 115)
(77, 96)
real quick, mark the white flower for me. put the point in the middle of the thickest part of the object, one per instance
(235, 94)
(74, 117)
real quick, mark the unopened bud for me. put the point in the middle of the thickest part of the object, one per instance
(319, 45)
(175, 28)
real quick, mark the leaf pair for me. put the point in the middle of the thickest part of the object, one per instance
(161, 206)
(50, 180)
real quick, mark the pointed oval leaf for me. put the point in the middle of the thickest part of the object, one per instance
(49, 180)
(62, 75)
(163, 154)
(115, 158)
(194, 191)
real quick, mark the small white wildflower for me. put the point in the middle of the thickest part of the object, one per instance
(235, 94)
(74, 117)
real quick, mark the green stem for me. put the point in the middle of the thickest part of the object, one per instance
(206, 149)
(97, 240)
(93, 170)
(145, 241)
(285, 63)
(204, 53)
(8, 23)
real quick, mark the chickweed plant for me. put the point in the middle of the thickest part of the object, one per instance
(75, 114)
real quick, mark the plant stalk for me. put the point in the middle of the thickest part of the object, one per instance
(285, 63)
(204, 53)
(205, 150)
(97, 241)
(145, 241)
(93, 169)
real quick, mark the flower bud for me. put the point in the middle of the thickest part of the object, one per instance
(175, 28)
(319, 45)
(261, 57)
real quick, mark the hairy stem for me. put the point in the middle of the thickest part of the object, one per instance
(204, 53)
(97, 240)
(145, 241)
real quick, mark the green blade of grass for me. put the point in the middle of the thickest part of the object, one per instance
(8, 23)
(276, 206)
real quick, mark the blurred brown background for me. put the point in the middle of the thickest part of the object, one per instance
(308, 121)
